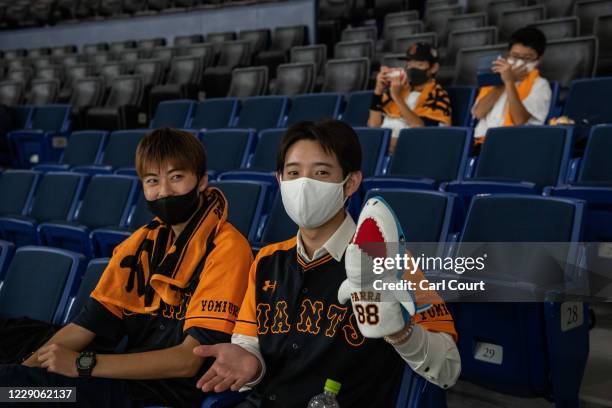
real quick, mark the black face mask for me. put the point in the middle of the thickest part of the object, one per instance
(417, 76)
(174, 210)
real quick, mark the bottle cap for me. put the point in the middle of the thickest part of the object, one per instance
(332, 386)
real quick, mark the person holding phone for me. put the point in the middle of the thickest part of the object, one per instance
(410, 97)
(524, 97)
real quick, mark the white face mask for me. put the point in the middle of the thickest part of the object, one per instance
(311, 203)
(516, 63)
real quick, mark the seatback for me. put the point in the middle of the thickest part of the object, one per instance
(360, 33)
(51, 72)
(182, 40)
(130, 56)
(106, 201)
(401, 44)
(279, 227)
(262, 112)
(112, 70)
(290, 36)
(164, 54)
(235, 53)
(84, 147)
(121, 147)
(16, 191)
(214, 113)
(316, 54)
(151, 71)
(588, 11)
(204, 51)
(543, 152)
(462, 99)
(172, 114)
(357, 108)
(220, 37)
(596, 166)
(374, 145)
(603, 31)
(250, 81)
(227, 149)
(11, 92)
(346, 75)
(566, 60)
(38, 283)
(245, 200)
(51, 118)
(92, 275)
(512, 20)
(89, 49)
(354, 49)
(57, 196)
(467, 62)
(558, 8)
(185, 70)
(586, 102)
(470, 38)
(295, 78)
(140, 215)
(78, 71)
(395, 31)
(126, 90)
(436, 20)
(24, 75)
(313, 107)
(118, 46)
(437, 153)
(558, 28)
(400, 17)
(495, 8)
(87, 92)
(43, 92)
(150, 43)
(264, 156)
(259, 38)
(467, 21)
(7, 249)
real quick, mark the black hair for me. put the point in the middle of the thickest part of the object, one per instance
(334, 136)
(529, 37)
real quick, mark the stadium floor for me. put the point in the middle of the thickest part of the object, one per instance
(596, 385)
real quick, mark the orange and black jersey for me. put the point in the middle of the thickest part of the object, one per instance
(306, 335)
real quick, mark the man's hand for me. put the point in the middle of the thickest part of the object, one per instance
(382, 81)
(398, 83)
(507, 72)
(58, 359)
(232, 369)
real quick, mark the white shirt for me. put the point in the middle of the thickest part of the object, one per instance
(397, 124)
(432, 355)
(537, 103)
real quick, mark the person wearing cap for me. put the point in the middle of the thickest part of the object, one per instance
(410, 97)
(524, 97)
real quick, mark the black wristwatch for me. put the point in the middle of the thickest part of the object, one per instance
(85, 362)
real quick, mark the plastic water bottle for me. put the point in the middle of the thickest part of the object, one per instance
(328, 398)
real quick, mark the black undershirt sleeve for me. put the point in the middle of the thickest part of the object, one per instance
(429, 122)
(96, 318)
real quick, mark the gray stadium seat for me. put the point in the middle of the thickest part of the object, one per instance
(400, 30)
(497, 6)
(11, 92)
(401, 44)
(250, 81)
(558, 8)
(346, 75)
(43, 91)
(603, 31)
(360, 33)
(119, 111)
(511, 20)
(587, 11)
(558, 28)
(259, 39)
(467, 21)
(182, 40)
(295, 78)
(436, 19)
(354, 49)
(467, 62)
(316, 54)
(566, 60)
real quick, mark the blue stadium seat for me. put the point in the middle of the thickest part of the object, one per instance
(314, 107)
(173, 114)
(277, 226)
(56, 199)
(91, 276)
(425, 157)
(107, 202)
(425, 216)
(227, 149)
(262, 112)
(246, 200)
(414, 392)
(39, 282)
(374, 145)
(587, 102)
(594, 185)
(214, 113)
(44, 136)
(520, 160)
(462, 99)
(17, 190)
(120, 152)
(262, 164)
(83, 148)
(529, 352)
(7, 249)
(21, 116)
(357, 108)
(104, 240)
